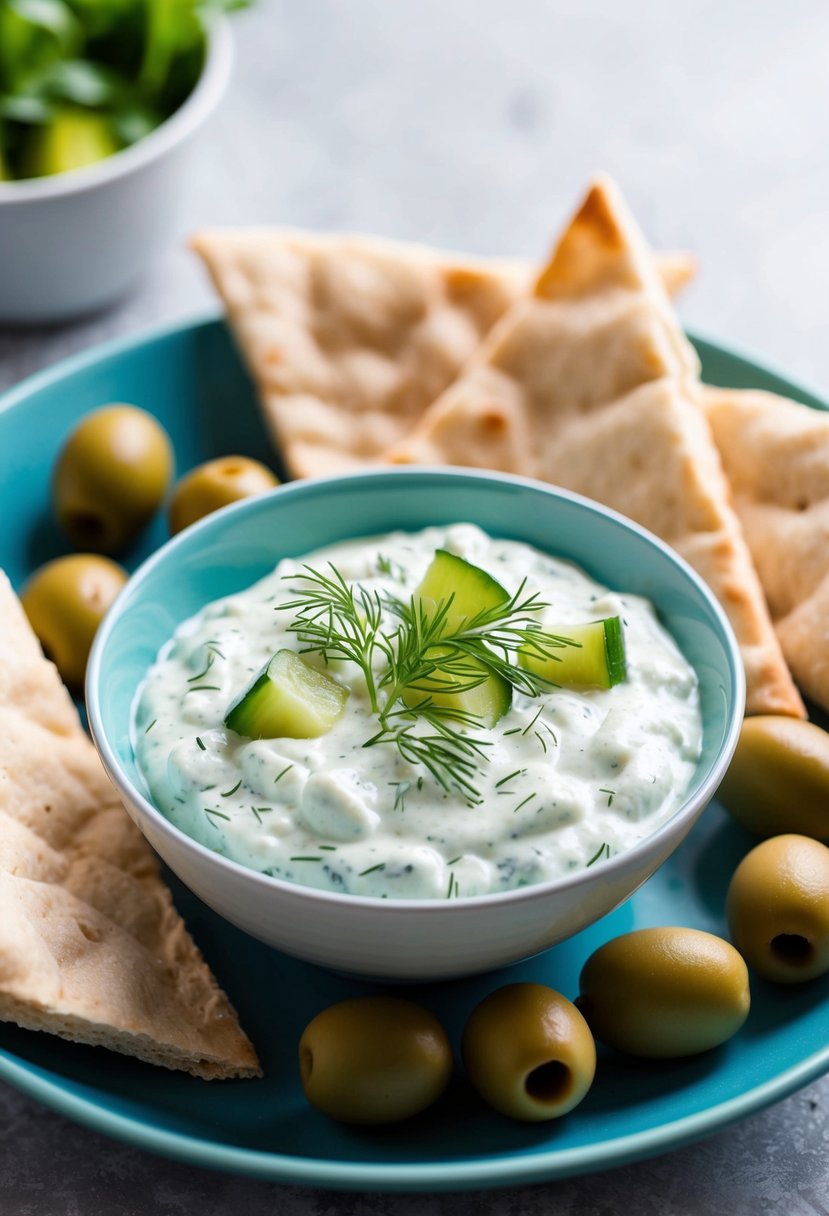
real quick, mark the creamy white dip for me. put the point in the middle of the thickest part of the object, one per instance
(572, 777)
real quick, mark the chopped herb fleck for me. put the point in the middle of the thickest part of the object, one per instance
(211, 658)
(152, 724)
(509, 777)
(282, 774)
(610, 795)
(259, 811)
(604, 845)
(371, 870)
(219, 814)
(529, 798)
(329, 848)
(454, 859)
(201, 743)
(305, 859)
(401, 789)
(516, 730)
(204, 688)
(531, 724)
(227, 793)
(386, 565)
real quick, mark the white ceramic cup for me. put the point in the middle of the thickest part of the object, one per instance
(74, 242)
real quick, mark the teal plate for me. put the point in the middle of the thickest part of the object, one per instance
(191, 378)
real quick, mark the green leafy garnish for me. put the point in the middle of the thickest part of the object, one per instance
(81, 79)
(429, 650)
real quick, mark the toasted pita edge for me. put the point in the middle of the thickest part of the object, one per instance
(29, 1016)
(20, 991)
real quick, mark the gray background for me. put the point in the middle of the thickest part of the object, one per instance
(474, 124)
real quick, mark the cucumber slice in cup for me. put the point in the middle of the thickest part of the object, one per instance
(594, 659)
(471, 591)
(287, 699)
(488, 700)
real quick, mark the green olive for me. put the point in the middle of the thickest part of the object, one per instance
(374, 1059)
(778, 908)
(217, 484)
(111, 477)
(666, 992)
(65, 601)
(778, 780)
(528, 1052)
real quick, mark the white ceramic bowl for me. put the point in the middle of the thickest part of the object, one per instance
(405, 939)
(74, 242)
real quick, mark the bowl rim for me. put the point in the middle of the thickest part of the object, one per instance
(193, 111)
(687, 810)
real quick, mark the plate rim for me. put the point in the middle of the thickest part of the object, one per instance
(339, 1174)
(466, 1174)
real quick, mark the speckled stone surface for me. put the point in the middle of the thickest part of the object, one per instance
(475, 125)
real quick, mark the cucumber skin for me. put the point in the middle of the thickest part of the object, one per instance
(242, 714)
(606, 669)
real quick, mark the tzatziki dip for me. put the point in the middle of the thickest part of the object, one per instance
(282, 726)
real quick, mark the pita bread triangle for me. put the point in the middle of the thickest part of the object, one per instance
(350, 338)
(776, 456)
(91, 947)
(588, 382)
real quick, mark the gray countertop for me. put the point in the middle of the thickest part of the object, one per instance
(476, 125)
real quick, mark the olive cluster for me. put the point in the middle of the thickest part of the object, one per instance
(656, 993)
(111, 477)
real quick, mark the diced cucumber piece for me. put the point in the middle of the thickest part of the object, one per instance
(471, 590)
(488, 701)
(287, 700)
(72, 139)
(452, 576)
(594, 657)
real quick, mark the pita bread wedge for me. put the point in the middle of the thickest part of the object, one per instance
(91, 947)
(589, 383)
(349, 339)
(776, 456)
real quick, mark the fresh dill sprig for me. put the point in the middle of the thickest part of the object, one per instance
(424, 655)
(337, 621)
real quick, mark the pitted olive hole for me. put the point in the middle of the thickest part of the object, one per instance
(306, 1063)
(792, 948)
(88, 528)
(549, 1082)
